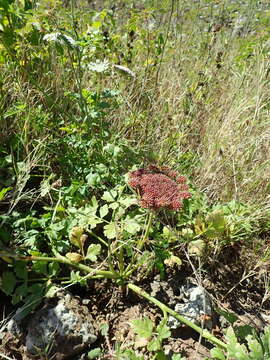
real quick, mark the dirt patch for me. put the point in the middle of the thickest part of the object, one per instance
(238, 282)
(235, 283)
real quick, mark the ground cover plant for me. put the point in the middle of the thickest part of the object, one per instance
(134, 144)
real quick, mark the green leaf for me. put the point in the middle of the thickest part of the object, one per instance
(45, 187)
(217, 222)
(265, 338)
(15, 299)
(20, 293)
(161, 355)
(22, 290)
(154, 345)
(110, 230)
(131, 225)
(93, 221)
(230, 317)
(36, 289)
(109, 196)
(235, 349)
(53, 268)
(93, 179)
(256, 350)
(51, 291)
(32, 300)
(20, 268)
(109, 148)
(75, 277)
(8, 282)
(177, 357)
(84, 213)
(217, 353)
(104, 329)
(114, 205)
(145, 257)
(169, 234)
(92, 252)
(40, 267)
(128, 201)
(4, 191)
(95, 353)
(243, 331)
(103, 211)
(187, 233)
(163, 331)
(130, 355)
(94, 202)
(143, 328)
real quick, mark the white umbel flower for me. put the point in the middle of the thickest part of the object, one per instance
(60, 38)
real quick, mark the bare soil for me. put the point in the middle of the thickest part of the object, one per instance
(236, 282)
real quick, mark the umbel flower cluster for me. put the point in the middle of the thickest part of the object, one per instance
(159, 187)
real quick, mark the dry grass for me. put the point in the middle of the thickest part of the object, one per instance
(200, 103)
(209, 111)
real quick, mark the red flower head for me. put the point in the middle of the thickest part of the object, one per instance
(159, 187)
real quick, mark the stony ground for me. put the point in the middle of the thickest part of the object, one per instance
(231, 288)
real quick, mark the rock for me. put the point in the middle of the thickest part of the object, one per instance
(14, 328)
(163, 291)
(241, 26)
(196, 307)
(65, 329)
(14, 325)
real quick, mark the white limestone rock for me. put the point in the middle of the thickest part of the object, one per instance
(196, 307)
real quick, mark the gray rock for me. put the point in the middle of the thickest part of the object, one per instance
(241, 26)
(14, 328)
(64, 330)
(14, 324)
(196, 307)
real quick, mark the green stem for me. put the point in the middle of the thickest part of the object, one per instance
(129, 271)
(61, 259)
(30, 280)
(204, 333)
(132, 267)
(121, 260)
(149, 223)
(98, 238)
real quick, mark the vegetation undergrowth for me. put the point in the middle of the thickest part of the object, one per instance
(91, 93)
